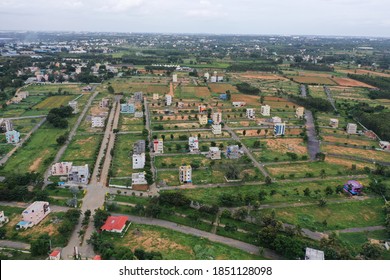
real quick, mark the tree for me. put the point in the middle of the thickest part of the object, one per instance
(3, 232)
(40, 246)
(262, 195)
(232, 172)
(61, 139)
(322, 202)
(100, 218)
(322, 173)
(152, 210)
(320, 156)
(268, 180)
(371, 251)
(123, 253)
(328, 191)
(110, 89)
(306, 192)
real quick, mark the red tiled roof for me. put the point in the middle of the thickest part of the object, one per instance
(55, 253)
(114, 223)
(97, 258)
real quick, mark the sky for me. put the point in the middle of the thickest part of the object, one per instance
(281, 17)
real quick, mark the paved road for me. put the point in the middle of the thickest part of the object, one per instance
(27, 117)
(247, 152)
(72, 133)
(252, 249)
(15, 245)
(53, 208)
(313, 144)
(329, 97)
(303, 91)
(10, 153)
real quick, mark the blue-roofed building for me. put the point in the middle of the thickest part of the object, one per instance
(279, 129)
(128, 108)
(223, 96)
(13, 137)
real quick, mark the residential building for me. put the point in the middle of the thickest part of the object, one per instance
(250, 113)
(216, 79)
(202, 108)
(156, 96)
(193, 144)
(238, 104)
(174, 78)
(139, 147)
(180, 104)
(351, 128)
(313, 254)
(202, 119)
(87, 88)
(74, 105)
(214, 153)
(55, 255)
(216, 117)
(216, 129)
(7, 124)
(300, 112)
(79, 174)
(138, 96)
(353, 187)
(104, 103)
(138, 114)
(13, 137)
(139, 161)
(279, 129)
(334, 123)
(3, 219)
(97, 121)
(158, 146)
(206, 76)
(185, 174)
(233, 152)
(61, 168)
(128, 108)
(115, 224)
(138, 181)
(385, 145)
(223, 96)
(34, 214)
(265, 110)
(23, 94)
(168, 100)
(276, 120)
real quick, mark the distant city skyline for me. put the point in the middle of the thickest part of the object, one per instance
(252, 17)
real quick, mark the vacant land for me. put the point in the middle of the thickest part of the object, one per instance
(364, 72)
(360, 153)
(192, 92)
(350, 83)
(313, 80)
(54, 102)
(83, 149)
(262, 76)
(222, 88)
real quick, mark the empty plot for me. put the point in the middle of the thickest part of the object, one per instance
(313, 80)
(54, 102)
(350, 83)
(222, 88)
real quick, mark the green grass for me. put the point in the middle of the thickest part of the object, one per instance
(337, 215)
(174, 245)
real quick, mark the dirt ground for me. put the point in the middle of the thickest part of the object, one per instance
(314, 74)
(249, 99)
(313, 80)
(262, 76)
(285, 145)
(96, 111)
(362, 142)
(363, 72)
(347, 163)
(34, 167)
(350, 83)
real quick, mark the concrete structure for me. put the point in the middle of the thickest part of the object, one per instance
(206, 76)
(158, 146)
(138, 96)
(139, 147)
(334, 123)
(97, 121)
(61, 168)
(193, 144)
(168, 100)
(74, 105)
(156, 96)
(12, 137)
(265, 110)
(238, 104)
(214, 153)
(34, 214)
(139, 161)
(216, 129)
(185, 174)
(313, 254)
(104, 103)
(233, 152)
(276, 120)
(279, 129)
(250, 113)
(8, 126)
(174, 78)
(202, 119)
(79, 174)
(138, 114)
(19, 97)
(115, 224)
(216, 117)
(138, 181)
(128, 108)
(300, 112)
(3, 219)
(202, 108)
(351, 128)
(180, 104)
(384, 145)
(55, 255)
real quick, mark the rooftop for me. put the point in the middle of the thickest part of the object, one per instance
(114, 223)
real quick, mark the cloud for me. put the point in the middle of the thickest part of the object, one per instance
(120, 5)
(206, 14)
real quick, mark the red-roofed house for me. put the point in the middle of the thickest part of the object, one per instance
(97, 258)
(115, 224)
(55, 255)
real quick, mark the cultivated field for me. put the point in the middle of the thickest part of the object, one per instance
(222, 88)
(346, 82)
(54, 102)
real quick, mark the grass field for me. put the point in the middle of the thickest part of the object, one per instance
(54, 102)
(177, 246)
(338, 216)
(313, 80)
(360, 153)
(192, 92)
(83, 150)
(25, 125)
(46, 89)
(222, 87)
(129, 123)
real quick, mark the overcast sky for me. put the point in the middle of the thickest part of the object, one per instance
(306, 17)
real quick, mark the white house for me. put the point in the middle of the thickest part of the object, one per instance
(74, 105)
(202, 119)
(313, 254)
(216, 117)
(216, 129)
(385, 145)
(265, 110)
(238, 104)
(97, 121)
(300, 112)
(351, 128)
(214, 153)
(250, 113)
(174, 78)
(185, 174)
(334, 123)
(158, 146)
(3, 219)
(34, 214)
(276, 120)
(193, 144)
(139, 161)
(79, 174)
(168, 100)
(61, 168)
(138, 179)
(104, 103)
